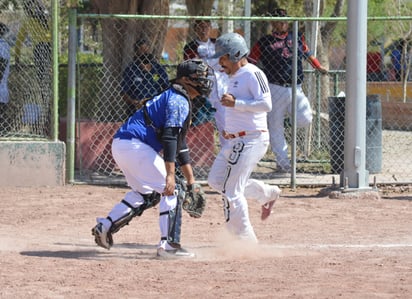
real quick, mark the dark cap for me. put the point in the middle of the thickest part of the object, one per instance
(279, 12)
(191, 67)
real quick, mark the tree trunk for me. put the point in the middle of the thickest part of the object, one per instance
(118, 37)
(197, 8)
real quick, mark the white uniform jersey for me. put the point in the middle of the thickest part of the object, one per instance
(205, 51)
(220, 80)
(250, 87)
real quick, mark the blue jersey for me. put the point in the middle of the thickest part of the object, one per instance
(140, 84)
(168, 109)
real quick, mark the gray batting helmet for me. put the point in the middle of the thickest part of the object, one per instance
(233, 44)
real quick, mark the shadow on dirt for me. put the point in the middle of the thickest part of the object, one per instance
(121, 250)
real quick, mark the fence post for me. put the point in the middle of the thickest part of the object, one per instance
(71, 95)
(55, 59)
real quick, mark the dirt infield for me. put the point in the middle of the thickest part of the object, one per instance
(310, 247)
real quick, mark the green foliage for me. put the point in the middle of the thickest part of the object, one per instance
(83, 58)
(88, 73)
(6, 4)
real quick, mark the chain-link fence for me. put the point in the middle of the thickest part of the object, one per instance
(26, 81)
(319, 150)
(122, 60)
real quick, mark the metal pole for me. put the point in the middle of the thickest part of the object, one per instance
(247, 22)
(55, 60)
(294, 84)
(71, 96)
(355, 106)
(318, 110)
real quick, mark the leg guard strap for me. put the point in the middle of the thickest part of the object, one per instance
(150, 200)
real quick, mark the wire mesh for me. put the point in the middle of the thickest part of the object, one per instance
(27, 109)
(109, 70)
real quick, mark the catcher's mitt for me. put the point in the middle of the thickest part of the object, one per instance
(195, 201)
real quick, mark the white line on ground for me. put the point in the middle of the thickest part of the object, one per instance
(327, 246)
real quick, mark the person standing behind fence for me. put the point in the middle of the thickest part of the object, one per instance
(4, 75)
(275, 53)
(203, 47)
(399, 60)
(246, 103)
(145, 148)
(35, 26)
(143, 78)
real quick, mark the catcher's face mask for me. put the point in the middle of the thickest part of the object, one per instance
(202, 84)
(197, 72)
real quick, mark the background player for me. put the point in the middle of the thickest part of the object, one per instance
(5, 122)
(203, 47)
(160, 125)
(274, 52)
(143, 78)
(246, 103)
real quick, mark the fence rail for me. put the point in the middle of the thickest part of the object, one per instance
(104, 48)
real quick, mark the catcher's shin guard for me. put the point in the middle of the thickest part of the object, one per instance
(174, 224)
(150, 200)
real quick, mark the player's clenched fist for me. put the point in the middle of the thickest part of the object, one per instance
(228, 100)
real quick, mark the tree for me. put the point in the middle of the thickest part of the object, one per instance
(198, 8)
(119, 36)
(6, 4)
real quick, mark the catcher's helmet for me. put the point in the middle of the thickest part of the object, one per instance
(233, 44)
(197, 71)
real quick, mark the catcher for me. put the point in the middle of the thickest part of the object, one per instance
(160, 125)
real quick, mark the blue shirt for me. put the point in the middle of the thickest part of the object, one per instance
(140, 84)
(168, 109)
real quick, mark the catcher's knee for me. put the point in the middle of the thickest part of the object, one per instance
(149, 200)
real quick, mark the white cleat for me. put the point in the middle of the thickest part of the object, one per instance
(179, 253)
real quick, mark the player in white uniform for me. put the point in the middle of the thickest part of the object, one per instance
(204, 48)
(246, 104)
